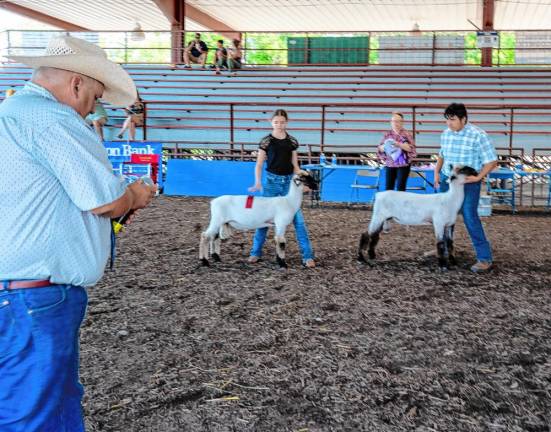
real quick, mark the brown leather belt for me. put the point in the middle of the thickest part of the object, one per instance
(21, 284)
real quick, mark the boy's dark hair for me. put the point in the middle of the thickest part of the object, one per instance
(456, 110)
(220, 41)
(280, 112)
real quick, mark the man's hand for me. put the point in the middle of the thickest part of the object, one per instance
(143, 194)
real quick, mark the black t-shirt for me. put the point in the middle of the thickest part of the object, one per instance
(202, 48)
(280, 153)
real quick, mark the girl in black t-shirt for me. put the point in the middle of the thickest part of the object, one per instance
(279, 150)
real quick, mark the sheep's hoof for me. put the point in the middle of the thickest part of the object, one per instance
(282, 263)
(361, 258)
(216, 257)
(444, 269)
(205, 262)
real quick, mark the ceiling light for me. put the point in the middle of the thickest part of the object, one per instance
(416, 30)
(137, 34)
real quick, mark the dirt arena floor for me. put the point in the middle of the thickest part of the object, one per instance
(170, 346)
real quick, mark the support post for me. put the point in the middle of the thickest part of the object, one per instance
(322, 140)
(488, 12)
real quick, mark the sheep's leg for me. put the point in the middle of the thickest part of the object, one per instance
(280, 225)
(215, 244)
(364, 242)
(373, 243)
(280, 251)
(441, 247)
(370, 238)
(204, 249)
(449, 244)
(207, 242)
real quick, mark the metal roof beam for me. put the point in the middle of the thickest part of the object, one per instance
(488, 13)
(171, 9)
(39, 16)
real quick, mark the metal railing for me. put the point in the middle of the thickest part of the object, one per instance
(283, 48)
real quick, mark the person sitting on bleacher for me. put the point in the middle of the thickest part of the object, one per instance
(135, 119)
(234, 56)
(196, 52)
(98, 119)
(221, 56)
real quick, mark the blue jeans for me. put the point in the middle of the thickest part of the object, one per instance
(39, 361)
(277, 185)
(398, 175)
(471, 218)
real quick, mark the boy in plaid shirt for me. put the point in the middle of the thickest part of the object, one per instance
(464, 144)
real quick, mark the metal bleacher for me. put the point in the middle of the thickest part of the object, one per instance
(340, 107)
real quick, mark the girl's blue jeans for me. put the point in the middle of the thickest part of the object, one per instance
(278, 185)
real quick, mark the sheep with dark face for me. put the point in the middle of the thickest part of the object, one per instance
(232, 211)
(408, 208)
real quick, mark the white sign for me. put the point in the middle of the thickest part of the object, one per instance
(487, 39)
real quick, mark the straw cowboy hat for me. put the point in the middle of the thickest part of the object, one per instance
(77, 55)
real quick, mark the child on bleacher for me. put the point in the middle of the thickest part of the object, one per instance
(135, 119)
(279, 150)
(221, 56)
(234, 56)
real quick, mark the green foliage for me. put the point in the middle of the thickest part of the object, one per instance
(270, 48)
(473, 55)
(506, 54)
(265, 48)
(373, 50)
(155, 48)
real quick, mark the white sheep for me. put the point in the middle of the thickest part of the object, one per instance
(230, 211)
(408, 208)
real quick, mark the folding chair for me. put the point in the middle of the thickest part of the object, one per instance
(500, 185)
(366, 179)
(417, 185)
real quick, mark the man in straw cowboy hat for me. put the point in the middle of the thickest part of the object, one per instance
(57, 196)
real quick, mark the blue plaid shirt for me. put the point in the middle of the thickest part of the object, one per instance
(468, 147)
(53, 171)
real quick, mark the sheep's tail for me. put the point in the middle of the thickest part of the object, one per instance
(226, 231)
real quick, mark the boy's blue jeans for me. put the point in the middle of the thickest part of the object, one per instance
(277, 185)
(39, 361)
(471, 218)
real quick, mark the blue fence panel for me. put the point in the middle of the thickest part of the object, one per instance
(208, 178)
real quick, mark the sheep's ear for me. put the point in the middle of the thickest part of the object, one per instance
(451, 167)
